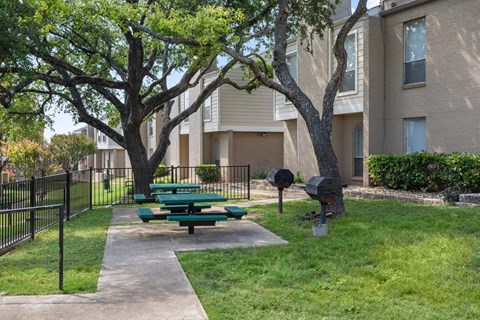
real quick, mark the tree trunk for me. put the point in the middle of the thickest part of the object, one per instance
(142, 170)
(326, 158)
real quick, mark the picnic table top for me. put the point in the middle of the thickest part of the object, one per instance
(189, 198)
(173, 186)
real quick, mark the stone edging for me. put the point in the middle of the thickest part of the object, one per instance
(372, 195)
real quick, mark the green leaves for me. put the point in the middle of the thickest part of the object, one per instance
(427, 171)
(69, 149)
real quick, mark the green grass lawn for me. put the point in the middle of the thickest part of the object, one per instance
(384, 260)
(33, 267)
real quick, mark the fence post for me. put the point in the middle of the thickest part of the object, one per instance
(171, 173)
(91, 188)
(248, 181)
(60, 248)
(33, 197)
(67, 202)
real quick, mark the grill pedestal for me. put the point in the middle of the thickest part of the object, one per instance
(280, 178)
(325, 190)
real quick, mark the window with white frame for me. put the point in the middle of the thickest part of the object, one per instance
(415, 36)
(291, 61)
(292, 65)
(415, 135)
(150, 152)
(349, 82)
(150, 128)
(207, 109)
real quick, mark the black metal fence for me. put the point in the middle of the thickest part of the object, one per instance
(82, 190)
(19, 224)
(116, 185)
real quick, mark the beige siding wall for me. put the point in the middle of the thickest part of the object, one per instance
(450, 99)
(241, 111)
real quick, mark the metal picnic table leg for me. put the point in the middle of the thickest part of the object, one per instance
(191, 229)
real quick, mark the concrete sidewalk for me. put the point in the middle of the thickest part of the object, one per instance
(141, 277)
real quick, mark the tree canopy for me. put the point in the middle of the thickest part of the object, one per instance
(68, 149)
(114, 58)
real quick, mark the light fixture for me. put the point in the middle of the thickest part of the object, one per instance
(264, 134)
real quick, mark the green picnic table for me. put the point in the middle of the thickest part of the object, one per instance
(191, 220)
(173, 187)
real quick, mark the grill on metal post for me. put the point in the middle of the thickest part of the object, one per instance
(280, 178)
(325, 190)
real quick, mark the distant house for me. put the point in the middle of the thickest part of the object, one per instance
(412, 83)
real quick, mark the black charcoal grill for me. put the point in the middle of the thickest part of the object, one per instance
(325, 190)
(280, 178)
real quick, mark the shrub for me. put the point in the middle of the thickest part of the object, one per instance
(298, 178)
(208, 173)
(162, 171)
(260, 174)
(425, 171)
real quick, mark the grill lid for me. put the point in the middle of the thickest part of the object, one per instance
(280, 178)
(318, 186)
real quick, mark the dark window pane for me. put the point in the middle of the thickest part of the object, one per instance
(358, 167)
(415, 71)
(348, 83)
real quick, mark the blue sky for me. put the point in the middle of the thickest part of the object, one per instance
(63, 122)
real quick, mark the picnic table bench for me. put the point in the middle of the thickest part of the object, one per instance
(193, 220)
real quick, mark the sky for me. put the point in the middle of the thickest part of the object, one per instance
(63, 122)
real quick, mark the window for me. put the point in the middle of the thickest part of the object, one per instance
(414, 33)
(104, 138)
(150, 128)
(207, 109)
(349, 78)
(358, 151)
(150, 152)
(292, 66)
(414, 133)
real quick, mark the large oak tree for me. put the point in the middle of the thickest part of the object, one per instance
(114, 58)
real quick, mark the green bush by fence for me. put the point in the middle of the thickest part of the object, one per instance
(208, 173)
(426, 171)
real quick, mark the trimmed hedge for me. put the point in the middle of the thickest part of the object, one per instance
(426, 171)
(208, 173)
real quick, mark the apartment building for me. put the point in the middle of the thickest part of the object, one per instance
(232, 128)
(412, 83)
(109, 154)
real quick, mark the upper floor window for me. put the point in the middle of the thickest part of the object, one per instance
(207, 109)
(349, 78)
(414, 34)
(101, 137)
(414, 135)
(292, 65)
(150, 128)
